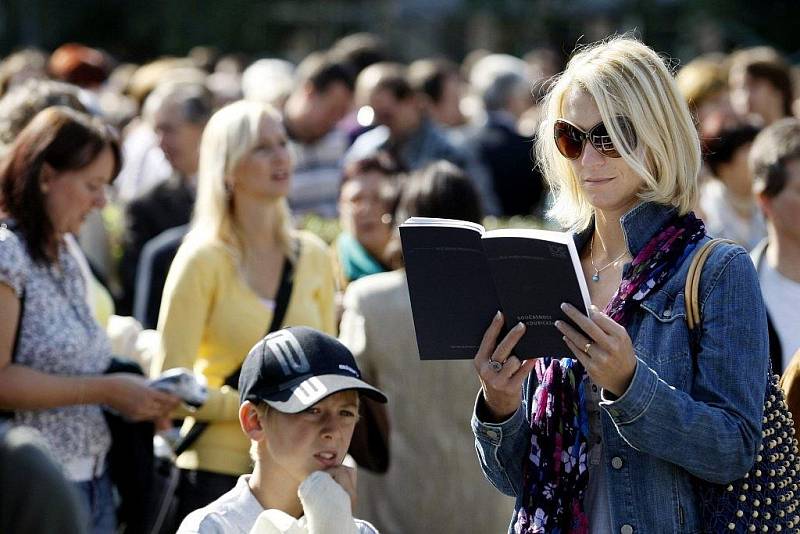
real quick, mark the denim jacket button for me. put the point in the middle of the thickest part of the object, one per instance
(616, 462)
(626, 529)
(491, 434)
(667, 313)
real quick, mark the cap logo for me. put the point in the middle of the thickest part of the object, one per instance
(310, 390)
(347, 368)
(287, 350)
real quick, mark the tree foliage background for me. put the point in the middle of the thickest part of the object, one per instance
(142, 29)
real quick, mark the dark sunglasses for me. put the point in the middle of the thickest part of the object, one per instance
(570, 139)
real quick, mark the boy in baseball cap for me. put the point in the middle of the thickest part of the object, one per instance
(299, 391)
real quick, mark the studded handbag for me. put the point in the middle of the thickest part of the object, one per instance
(766, 499)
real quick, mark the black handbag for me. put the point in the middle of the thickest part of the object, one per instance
(369, 446)
(766, 499)
(164, 501)
(130, 459)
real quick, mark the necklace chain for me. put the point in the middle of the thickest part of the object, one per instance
(596, 275)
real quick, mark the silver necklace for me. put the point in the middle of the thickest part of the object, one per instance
(596, 275)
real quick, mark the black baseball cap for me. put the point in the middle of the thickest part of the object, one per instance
(294, 368)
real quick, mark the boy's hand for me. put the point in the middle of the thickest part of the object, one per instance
(325, 496)
(346, 478)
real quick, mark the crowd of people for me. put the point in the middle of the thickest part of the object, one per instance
(154, 215)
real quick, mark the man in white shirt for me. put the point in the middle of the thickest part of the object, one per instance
(775, 163)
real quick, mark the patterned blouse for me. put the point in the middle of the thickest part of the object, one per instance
(59, 336)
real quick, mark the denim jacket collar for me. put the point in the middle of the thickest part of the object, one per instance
(638, 225)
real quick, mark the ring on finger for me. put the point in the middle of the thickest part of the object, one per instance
(587, 347)
(495, 365)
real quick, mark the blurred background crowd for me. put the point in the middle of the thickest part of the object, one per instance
(431, 113)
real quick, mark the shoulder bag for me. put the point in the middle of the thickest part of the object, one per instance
(766, 498)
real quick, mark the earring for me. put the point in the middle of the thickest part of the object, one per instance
(386, 218)
(44, 188)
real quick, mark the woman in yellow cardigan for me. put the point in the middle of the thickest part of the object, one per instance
(220, 292)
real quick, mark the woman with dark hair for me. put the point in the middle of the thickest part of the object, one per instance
(367, 197)
(52, 352)
(760, 81)
(441, 189)
(726, 201)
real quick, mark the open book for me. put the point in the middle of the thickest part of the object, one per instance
(459, 276)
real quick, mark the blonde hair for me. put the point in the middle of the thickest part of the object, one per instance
(625, 78)
(700, 80)
(231, 133)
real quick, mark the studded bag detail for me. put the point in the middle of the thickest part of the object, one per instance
(767, 498)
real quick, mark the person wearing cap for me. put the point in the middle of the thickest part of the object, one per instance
(299, 390)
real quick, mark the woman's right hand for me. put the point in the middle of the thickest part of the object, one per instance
(130, 395)
(501, 386)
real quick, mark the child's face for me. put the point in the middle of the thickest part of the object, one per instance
(312, 440)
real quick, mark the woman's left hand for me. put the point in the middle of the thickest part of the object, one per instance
(607, 354)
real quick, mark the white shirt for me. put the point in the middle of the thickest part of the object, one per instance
(782, 297)
(722, 220)
(325, 503)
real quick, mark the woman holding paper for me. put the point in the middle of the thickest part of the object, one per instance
(53, 354)
(614, 438)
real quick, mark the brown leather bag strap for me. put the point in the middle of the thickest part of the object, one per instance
(692, 289)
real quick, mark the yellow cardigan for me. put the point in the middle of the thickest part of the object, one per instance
(209, 320)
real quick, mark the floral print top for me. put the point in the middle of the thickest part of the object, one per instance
(58, 335)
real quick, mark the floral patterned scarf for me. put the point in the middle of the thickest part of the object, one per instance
(555, 473)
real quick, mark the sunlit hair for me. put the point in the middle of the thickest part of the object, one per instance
(231, 133)
(625, 78)
(700, 80)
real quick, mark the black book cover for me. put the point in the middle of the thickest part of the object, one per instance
(459, 276)
(533, 274)
(452, 296)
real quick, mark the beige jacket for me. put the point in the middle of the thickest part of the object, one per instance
(434, 482)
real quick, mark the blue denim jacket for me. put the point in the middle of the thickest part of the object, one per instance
(686, 414)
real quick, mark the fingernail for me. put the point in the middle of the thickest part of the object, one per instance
(557, 324)
(563, 306)
(498, 315)
(519, 327)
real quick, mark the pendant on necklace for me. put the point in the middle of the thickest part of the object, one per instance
(596, 276)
